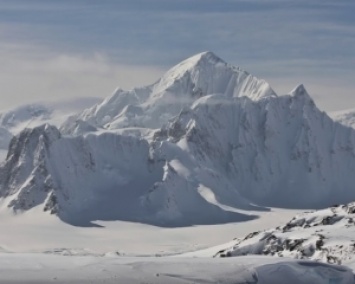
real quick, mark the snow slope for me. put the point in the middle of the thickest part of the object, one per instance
(269, 149)
(94, 177)
(36, 268)
(326, 235)
(228, 142)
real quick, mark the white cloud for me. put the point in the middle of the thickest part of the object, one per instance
(30, 74)
(327, 81)
(285, 42)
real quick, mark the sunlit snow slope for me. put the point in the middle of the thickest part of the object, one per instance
(326, 235)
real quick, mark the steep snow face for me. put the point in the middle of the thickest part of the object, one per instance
(103, 176)
(205, 74)
(154, 105)
(24, 175)
(326, 235)
(77, 175)
(280, 151)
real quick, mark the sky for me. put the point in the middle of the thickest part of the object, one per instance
(60, 49)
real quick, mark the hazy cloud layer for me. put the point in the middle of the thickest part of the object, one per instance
(62, 48)
(28, 75)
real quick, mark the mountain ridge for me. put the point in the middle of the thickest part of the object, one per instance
(197, 76)
(142, 158)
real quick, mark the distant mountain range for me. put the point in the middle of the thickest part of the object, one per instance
(13, 121)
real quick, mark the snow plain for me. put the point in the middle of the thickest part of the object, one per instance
(37, 232)
(261, 270)
(39, 248)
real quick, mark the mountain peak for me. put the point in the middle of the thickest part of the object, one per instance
(206, 73)
(200, 75)
(300, 90)
(206, 56)
(300, 93)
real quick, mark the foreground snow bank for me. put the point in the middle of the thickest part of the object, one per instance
(42, 268)
(325, 235)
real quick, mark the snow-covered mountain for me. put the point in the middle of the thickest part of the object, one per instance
(326, 235)
(13, 121)
(152, 106)
(24, 115)
(203, 142)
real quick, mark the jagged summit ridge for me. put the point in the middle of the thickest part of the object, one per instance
(191, 65)
(203, 58)
(212, 75)
(151, 106)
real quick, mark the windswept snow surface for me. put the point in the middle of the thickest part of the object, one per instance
(326, 235)
(34, 268)
(34, 231)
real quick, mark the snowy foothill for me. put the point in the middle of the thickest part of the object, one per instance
(326, 235)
